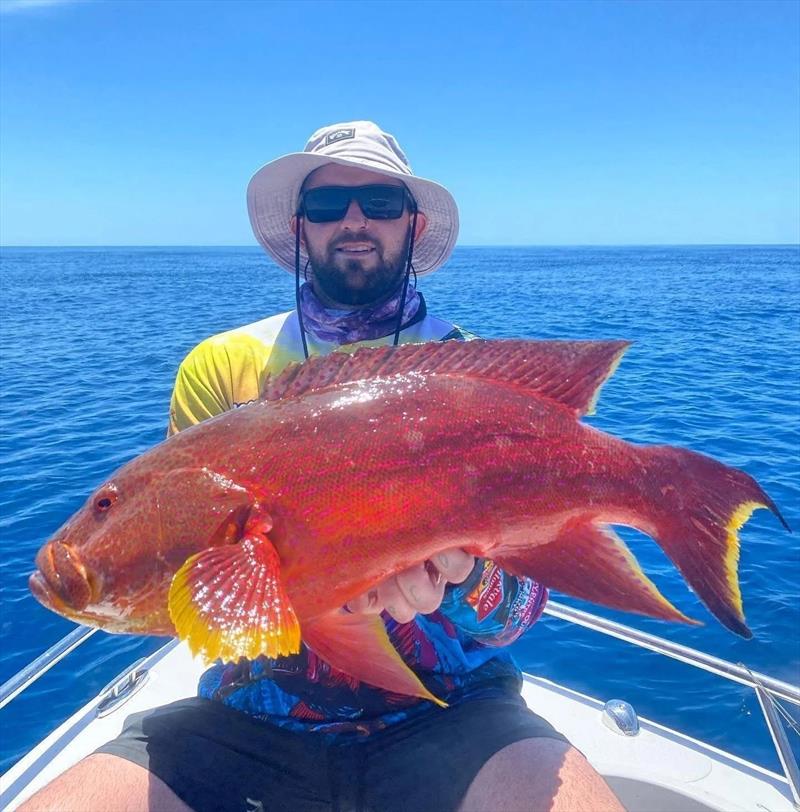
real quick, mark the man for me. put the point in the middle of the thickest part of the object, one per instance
(291, 734)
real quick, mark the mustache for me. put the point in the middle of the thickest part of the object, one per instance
(349, 240)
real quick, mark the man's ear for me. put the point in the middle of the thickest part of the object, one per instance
(294, 223)
(422, 224)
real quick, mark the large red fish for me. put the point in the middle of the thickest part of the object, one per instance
(250, 531)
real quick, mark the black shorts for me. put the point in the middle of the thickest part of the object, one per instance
(216, 758)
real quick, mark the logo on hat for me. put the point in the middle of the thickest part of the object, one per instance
(339, 135)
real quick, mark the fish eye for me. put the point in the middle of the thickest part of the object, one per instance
(105, 499)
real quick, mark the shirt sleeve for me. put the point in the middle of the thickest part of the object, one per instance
(219, 374)
(492, 606)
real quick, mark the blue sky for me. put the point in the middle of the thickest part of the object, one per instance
(553, 123)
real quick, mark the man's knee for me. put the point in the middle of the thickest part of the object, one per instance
(539, 774)
(105, 783)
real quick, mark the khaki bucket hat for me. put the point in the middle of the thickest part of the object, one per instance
(273, 192)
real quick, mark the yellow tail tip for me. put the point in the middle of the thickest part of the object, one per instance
(739, 517)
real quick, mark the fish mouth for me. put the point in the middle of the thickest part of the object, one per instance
(45, 594)
(61, 581)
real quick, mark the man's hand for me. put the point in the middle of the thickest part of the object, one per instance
(417, 590)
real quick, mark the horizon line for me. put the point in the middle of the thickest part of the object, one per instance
(466, 245)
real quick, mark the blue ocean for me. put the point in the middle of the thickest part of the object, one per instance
(90, 340)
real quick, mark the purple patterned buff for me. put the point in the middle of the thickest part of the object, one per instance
(349, 326)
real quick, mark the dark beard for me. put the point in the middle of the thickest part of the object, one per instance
(380, 282)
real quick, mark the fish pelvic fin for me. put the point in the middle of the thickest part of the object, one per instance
(359, 646)
(700, 506)
(591, 562)
(570, 373)
(229, 602)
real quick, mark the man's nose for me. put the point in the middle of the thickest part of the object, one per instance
(354, 217)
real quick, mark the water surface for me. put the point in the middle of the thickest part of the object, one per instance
(90, 340)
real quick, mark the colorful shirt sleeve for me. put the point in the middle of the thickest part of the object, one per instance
(215, 376)
(493, 606)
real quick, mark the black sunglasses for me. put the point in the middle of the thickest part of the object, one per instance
(328, 204)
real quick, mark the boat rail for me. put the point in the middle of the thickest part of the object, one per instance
(43, 663)
(768, 689)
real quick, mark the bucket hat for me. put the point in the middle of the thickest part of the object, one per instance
(273, 192)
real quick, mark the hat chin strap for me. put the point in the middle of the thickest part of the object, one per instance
(299, 225)
(400, 307)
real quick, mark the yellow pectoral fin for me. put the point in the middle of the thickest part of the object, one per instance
(228, 602)
(359, 646)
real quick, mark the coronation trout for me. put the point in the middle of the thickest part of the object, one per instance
(247, 533)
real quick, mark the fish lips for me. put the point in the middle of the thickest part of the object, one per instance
(45, 594)
(62, 582)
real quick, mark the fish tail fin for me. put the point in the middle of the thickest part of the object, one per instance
(691, 505)
(702, 506)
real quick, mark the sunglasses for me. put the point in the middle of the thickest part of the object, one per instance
(329, 204)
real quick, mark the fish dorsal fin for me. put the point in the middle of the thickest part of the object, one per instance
(568, 372)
